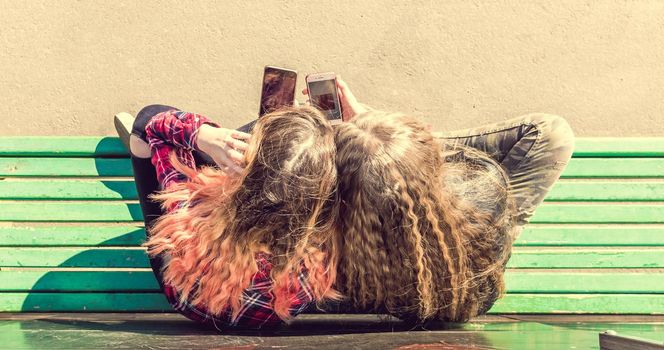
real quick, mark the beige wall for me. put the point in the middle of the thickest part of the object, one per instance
(67, 66)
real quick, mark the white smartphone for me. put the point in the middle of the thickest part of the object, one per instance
(323, 95)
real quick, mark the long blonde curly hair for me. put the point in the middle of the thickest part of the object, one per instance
(284, 205)
(427, 231)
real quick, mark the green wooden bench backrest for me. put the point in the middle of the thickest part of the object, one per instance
(70, 232)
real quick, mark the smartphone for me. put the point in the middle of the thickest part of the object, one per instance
(323, 95)
(278, 89)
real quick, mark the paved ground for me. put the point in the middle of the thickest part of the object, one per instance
(171, 331)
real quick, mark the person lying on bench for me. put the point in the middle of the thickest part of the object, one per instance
(418, 224)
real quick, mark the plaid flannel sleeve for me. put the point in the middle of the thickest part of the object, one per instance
(173, 131)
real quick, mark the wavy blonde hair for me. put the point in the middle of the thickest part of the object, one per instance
(284, 204)
(427, 233)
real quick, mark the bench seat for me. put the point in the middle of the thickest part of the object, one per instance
(70, 232)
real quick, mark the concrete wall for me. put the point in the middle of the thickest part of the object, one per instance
(67, 66)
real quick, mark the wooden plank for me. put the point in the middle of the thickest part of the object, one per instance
(84, 146)
(61, 146)
(83, 302)
(511, 303)
(73, 257)
(533, 235)
(68, 189)
(82, 212)
(65, 167)
(87, 235)
(564, 190)
(614, 168)
(616, 191)
(77, 281)
(577, 168)
(524, 258)
(599, 213)
(590, 235)
(518, 281)
(589, 281)
(650, 304)
(123, 212)
(619, 147)
(579, 258)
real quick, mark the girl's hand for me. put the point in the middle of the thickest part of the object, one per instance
(349, 105)
(224, 146)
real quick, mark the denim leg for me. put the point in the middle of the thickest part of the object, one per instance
(533, 150)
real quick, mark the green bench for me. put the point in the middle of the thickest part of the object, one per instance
(70, 232)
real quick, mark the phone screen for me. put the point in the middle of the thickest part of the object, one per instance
(278, 89)
(323, 95)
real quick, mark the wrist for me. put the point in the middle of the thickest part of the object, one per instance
(204, 138)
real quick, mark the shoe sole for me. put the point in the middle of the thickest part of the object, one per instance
(123, 123)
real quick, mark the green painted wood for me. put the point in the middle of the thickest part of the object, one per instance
(85, 235)
(61, 146)
(614, 168)
(577, 168)
(517, 281)
(599, 213)
(578, 258)
(525, 258)
(532, 235)
(650, 304)
(77, 281)
(606, 191)
(65, 167)
(50, 211)
(83, 302)
(73, 257)
(591, 235)
(511, 303)
(83, 146)
(570, 281)
(68, 189)
(123, 212)
(93, 190)
(619, 147)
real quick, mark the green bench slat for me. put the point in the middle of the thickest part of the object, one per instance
(580, 304)
(61, 146)
(77, 281)
(577, 168)
(614, 168)
(619, 147)
(518, 281)
(88, 235)
(126, 190)
(84, 146)
(69, 189)
(570, 281)
(532, 235)
(79, 302)
(578, 258)
(511, 303)
(123, 212)
(591, 235)
(73, 257)
(84, 212)
(526, 258)
(599, 213)
(606, 191)
(65, 167)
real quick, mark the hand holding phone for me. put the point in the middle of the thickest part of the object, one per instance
(324, 95)
(350, 107)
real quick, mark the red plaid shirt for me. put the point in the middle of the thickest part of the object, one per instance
(177, 130)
